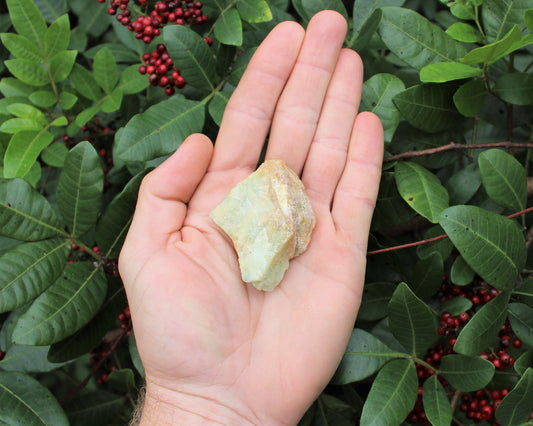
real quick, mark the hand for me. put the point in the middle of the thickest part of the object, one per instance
(216, 350)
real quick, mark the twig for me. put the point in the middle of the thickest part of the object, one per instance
(452, 146)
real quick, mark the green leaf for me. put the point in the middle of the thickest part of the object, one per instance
(54, 155)
(254, 11)
(392, 395)
(491, 244)
(57, 37)
(122, 380)
(307, 8)
(364, 356)
(191, 55)
(67, 100)
(228, 28)
(239, 66)
(28, 269)
(428, 107)
(421, 189)
(85, 116)
(85, 83)
(515, 88)
(52, 9)
(493, 51)
(25, 214)
(504, 179)
(134, 355)
(521, 319)
(93, 408)
(218, 105)
(26, 401)
(43, 98)
(442, 72)
(66, 306)
(378, 92)
(411, 320)
(92, 17)
(27, 71)
(461, 272)
(415, 40)
(61, 64)
(426, 277)
(523, 362)
(25, 110)
(34, 175)
(60, 121)
(466, 373)
(79, 191)
(463, 185)
(23, 150)
(27, 359)
(12, 87)
(464, 32)
(436, 404)
(390, 208)
(21, 47)
(16, 125)
(160, 129)
(499, 16)
(469, 98)
(456, 305)
(131, 81)
(113, 101)
(28, 21)
(105, 70)
(524, 292)
(375, 296)
(516, 407)
(482, 330)
(114, 223)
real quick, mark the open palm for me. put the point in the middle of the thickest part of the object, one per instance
(217, 349)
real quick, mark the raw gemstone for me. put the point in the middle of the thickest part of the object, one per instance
(269, 218)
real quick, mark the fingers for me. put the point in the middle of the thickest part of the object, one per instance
(300, 105)
(327, 154)
(356, 193)
(249, 112)
(161, 205)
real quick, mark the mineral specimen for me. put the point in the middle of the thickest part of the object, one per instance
(269, 219)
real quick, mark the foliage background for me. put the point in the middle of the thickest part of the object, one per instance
(445, 331)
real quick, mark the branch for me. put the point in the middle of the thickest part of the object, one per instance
(452, 146)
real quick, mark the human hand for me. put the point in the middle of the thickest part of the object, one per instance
(216, 350)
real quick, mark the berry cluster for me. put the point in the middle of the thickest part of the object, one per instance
(450, 324)
(125, 320)
(158, 65)
(97, 360)
(482, 404)
(478, 294)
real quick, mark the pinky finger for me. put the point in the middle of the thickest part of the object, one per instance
(356, 193)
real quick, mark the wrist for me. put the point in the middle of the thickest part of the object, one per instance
(165, 407)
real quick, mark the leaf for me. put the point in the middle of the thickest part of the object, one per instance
(66, 306)
(491, 244)
(105, 70)
(428, 107)
(28, 269)
(378, 92)
(239, 66)
(85, 83)
(415, 40)
(27, 71)
(79, 190)
(131, 81)
(15, 125)
(466, 33)
(27, 111)
(23, 150)
(160, 129)
(463, 185)
(426, 277)
(466, 373)
(523, 362)
(67, 100)
(364, 356)
(114, 223)
(411, 321)
(375, 296)
(421, 189)
(25, 214)
(122, 380)
(516, 407)
(27, 359)
(21, 47)
(307, 8)
(436, 404)
(492, 52)
(43, 98)
(61, 64)
(499, 16)
(469, 98)
(504, 179)
(191, 55)
(524, 292)
(112, 101)
(28, 21)
(461, 272)
(392, 395)
(254, 11)
(521, 319)
(515, 88)
(228, 27)
(55, 154)
(92, 17)
(52, 9)
(390, 208)
(218, 105)
(134, 354)
(456, 305)
(26, 401)
(442, 72)
(57, 37)
(12, 87)
(482, 329)
(93, 408)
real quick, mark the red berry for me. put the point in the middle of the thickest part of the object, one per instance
(517, 343)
